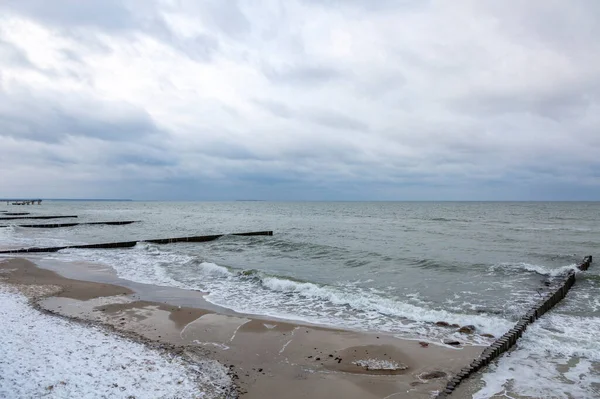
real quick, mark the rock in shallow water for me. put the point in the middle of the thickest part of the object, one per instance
(467, 329)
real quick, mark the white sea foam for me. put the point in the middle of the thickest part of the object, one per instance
(213, 268)
(539, 269)
(254, 292)
(558, 357)
(375, 305)
(145, 263)
(18, 237)
(45, 356)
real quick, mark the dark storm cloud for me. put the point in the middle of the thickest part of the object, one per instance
(121, 17)
(41, 119)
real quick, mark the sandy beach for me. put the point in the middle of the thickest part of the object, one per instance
(266, 358)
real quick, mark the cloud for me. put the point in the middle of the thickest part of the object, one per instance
(49, 118)
(109, 14)
(337, 121)
(302, 99)
(301, 74)
(12, 55)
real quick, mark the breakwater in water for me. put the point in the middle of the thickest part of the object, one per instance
(58, 225)
(556, 291)
(38, 217)
(128, 244)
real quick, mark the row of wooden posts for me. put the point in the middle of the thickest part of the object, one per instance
(503, 344)
(129, 244)
(122, 244)
(58, 225)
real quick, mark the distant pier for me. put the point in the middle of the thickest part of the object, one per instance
(24, 202)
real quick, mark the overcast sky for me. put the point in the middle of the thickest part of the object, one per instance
(300, 99)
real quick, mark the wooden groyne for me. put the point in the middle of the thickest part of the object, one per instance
(57, 225)
(129, 244)
(557, 292)
(38, 217)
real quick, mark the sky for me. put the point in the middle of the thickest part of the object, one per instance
(300, 99)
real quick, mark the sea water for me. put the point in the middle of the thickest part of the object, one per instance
(393, 267)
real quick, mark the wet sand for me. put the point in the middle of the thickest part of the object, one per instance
(268, 358)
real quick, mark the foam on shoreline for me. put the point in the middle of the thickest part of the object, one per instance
(41, 355)
(265, 358)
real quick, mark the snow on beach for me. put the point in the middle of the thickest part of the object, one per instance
(46, 356)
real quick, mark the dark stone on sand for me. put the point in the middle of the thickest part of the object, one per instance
(423, 344)
(487, 335)
(467, 329)
(318, 358)
(454, 325)
(442, 324)
(451, 342)
(432, 375)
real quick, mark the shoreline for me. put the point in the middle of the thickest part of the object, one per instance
(266, 357)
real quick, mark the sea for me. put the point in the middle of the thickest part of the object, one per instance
(388, 267)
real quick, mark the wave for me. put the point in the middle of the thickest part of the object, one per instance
(145, 263)
(253, 291)
(288, 248)
(434, 264)
(553, 257)
(557, 354)
(552, 228)
(10, 228)
(442, 219)
(213, 268)
(14, 236)
(351, 301)
(539, 269)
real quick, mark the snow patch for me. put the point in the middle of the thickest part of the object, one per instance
(378, 364)
(42, 355)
